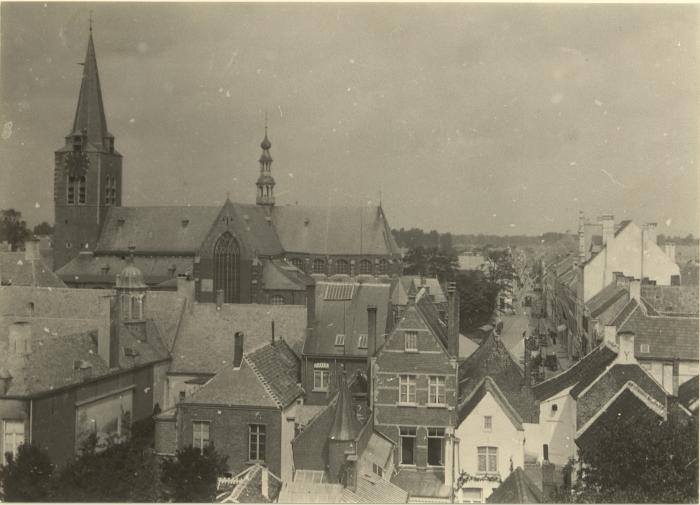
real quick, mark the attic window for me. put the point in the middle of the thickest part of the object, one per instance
(644, 348)
(340, 339)
(555, 407)
(185, 222)
(362, 342)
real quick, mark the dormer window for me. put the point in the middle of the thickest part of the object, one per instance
(340, 339)
(132, 307)
(410, 341)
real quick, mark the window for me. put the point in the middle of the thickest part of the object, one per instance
(554, 410)
(382, 267)
(436, 391)
(277, 300)
(407, 389)
(13, 436)
(81, 190)
(200, 435)
(362, 342)
(256, 442)
(68, 245)
(435, 444)
(471, 495)
(408, 444)
(70, 196)
(321, 380)
(342, 267)
(111, 190)
(410, 341)
(488, 459)
(365, 267)
(340, 339)
(319, 266)
(644, 348)
(298, 263)
(488, 423)
(378, 470)
(109, 419)
(182, 396)
(132, 307)
(226, 267)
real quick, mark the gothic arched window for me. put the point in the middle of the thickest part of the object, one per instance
(365, 267)
(342, 267)
(226, 266)
(319, 266)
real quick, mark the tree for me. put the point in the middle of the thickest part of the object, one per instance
(446, 243)
(26, 478)
(431, 262)
(191, 475)
(646, 460)
(13, 229)
(43, 228)
(477, 299)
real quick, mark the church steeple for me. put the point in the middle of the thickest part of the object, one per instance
(266, 183)
(90, 125)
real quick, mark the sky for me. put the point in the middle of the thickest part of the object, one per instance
(468, 118)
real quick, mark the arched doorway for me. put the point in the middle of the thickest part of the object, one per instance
(226, 267)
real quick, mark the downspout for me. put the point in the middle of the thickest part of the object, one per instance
(31, 419)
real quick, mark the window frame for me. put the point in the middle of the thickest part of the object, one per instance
(644, 348)
(364, 267)
(407, 432)
(488, 423)
(436, 433)
(260, 442)
(15, 434)
(345, 269)
(201, 423)
(409, 336)
(362, 341)
(434, 390)
(339, 340)
(487, 452)
(277, 300)
(407, 381)
(318, 266)
(324, 375)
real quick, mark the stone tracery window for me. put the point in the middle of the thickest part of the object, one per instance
(226, 267)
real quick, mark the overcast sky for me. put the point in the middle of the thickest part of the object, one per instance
(470, 118)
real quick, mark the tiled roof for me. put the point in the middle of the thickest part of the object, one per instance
(427, 309)
(605, 298)
(592, 365)
(204, 343)
(625, 313)
(333, 230)
(267, 377)
(667, 337)
(517, 488)
(487, 385)
(688, 392)
(407, 282)
(279, 275)
(339, 315)
(16, 270)
(156, 229)
(278, 368)
(88, 268)
(493, 360)
(672, 299)
(373, 489)
(300, 491)
(249, 487)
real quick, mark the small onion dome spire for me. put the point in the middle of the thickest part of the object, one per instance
(131, 277)
(266, 144)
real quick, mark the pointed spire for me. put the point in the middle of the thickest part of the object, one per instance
(265, 183)
(90, 121)
(345, 425)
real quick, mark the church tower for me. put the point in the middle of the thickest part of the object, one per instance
(87, 173)
(266, 183)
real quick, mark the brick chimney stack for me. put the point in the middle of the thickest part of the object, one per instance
(310, 307)
(608, 222)
(452, 320)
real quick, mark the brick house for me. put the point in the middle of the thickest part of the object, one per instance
(414, 385)
(338, 335)
(80, 362)
(247, 410)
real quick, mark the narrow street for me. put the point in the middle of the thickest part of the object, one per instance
(515, 324)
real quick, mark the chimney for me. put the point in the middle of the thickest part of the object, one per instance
(31, 250)
(452, 320)
(670, 250)
(20, 339)
(219, 298)
(185, 287)
(635, 290)
(581, 239)
(651, 232)
(621, 280)
(264, 483)
(108, 331)
(371, 330)
(626, 352)
(610, 334)
(608, 222)
(310, 306)
(238, 349)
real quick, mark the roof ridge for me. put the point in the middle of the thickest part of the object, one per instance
(262, 379)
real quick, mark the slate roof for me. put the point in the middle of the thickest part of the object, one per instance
(333, 230)
(373, 489)
(406, 283)
(204, 342)
(626, 311)
(430, 315)
(668, 337)
(88, 268)
(16, 270)
(341, 308)
(488, 385)
(279, 275)
(517, 488)
(588, 368)
(278, 368)
(688, 392)
(156, 229)
(493, 360)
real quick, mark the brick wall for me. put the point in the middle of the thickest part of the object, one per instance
(228, 430)
(351, 365)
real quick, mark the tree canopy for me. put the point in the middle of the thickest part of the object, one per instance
(13, 229)
(26, 478)
(431, 262)
(43, 228)
(191, 475)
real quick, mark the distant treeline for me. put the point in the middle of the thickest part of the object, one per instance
(689, 239)
(447, 242)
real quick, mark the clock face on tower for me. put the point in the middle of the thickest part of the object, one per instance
(76, 163)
